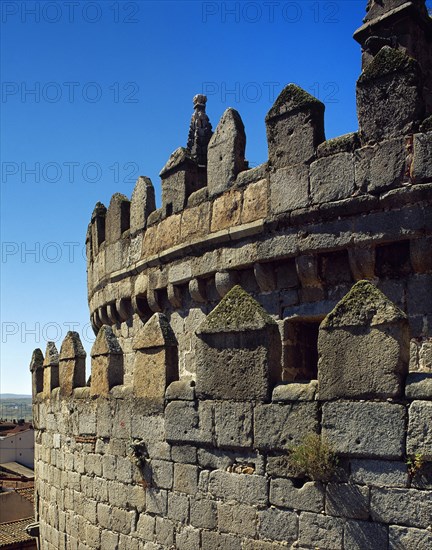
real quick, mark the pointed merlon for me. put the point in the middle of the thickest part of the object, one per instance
(237, 312)
(295, 127)
(226, 152)
(51, 369)
(157, 332)
(142, 203)
(363, 347)
(72, 363)
(37, 360)
(363, 305)
(106, 343)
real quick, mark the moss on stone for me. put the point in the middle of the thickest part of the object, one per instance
(340, 144)
(363, 305)
(237, 311)
(293, 97)
(388, 60)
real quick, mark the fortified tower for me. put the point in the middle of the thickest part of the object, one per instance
(255, 310)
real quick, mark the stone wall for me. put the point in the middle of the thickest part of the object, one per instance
(208, 463)
(256, 308)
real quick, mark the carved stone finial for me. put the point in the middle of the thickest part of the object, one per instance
(200, 131)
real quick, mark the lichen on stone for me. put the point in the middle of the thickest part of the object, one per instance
(292, 97)
(118, 197)
(388, 60)
(237, 311)
(363, 305)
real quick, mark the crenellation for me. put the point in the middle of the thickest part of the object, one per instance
(256, 307)
(50, 369)
(72, 373)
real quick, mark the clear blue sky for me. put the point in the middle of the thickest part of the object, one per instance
(96, 93)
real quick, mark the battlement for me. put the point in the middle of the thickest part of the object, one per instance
(312, 205)
(258, 310)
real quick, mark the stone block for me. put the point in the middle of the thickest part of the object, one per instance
(186, 478)
(347, 500)
(237, 518)
(332, 178)
(156, 501)
(373, 430)
(295, 127)
(164, 531)
(289, 188)
(169, 232)
(281, 426)
(213, 540)
(422, 153)
(178, 507)
(188, 538)
(379, 473)
(364, 535)
(301, 391)
(183, 390)
(146, 527)
(185, 454)
(396, 76)
(226, 152)
(327, 530)
(162, 474)
(408, 538)
(238, 342)
(184, 422)
(363, 347)
(109, 539)
(346, 143)
(195, 223)
(276, 524)
(309, 497)
(255, 202)
(243, 488)
(401, 506)
(233, 424)
(203, 512)
(380, 167)
(419, 385)
(226, 211)
(419, 434)
(122, 521)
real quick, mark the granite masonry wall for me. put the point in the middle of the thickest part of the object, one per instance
(254, 308)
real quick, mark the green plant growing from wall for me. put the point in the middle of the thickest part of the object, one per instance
(415, 463)
(314, 458)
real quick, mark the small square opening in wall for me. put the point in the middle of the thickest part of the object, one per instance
(393, 260)
(300, 349)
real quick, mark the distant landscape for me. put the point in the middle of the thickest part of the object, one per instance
(15, 406)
